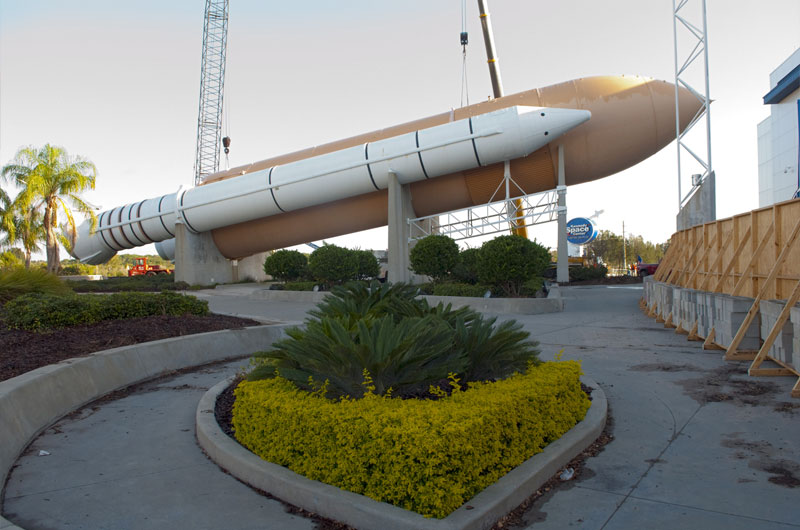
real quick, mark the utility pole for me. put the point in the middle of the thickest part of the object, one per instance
(624, 249)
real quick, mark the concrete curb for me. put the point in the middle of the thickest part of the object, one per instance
(33, 401)
(362, 512)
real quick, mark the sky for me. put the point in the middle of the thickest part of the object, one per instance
(118, 83)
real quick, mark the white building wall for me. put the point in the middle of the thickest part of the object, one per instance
(778, 141)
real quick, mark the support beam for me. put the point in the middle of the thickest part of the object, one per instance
(400, 211)
(198, 262)
(562, 265)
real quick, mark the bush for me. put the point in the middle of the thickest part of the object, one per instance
(37, 311)
(157, 283)
(10, 259)
(434, 256)
(531, 287)
(367, 266)
(466, 270)
(332, 265)
(18, 281)
(299, 286)
(459, 289)
(404, 344)
(421, 455)
(510, 261)
(286, 265)
(587, 273)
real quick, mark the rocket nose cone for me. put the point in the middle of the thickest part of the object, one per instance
(553, 121)
(663, 95)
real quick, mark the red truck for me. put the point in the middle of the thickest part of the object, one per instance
(141, 268)
(646, 269)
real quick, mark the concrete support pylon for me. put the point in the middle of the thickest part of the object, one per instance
(198, 262)
(562, 264)
(400, 211)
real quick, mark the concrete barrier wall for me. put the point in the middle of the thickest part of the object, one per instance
(781, 349)
(33, 401)
(554, 303)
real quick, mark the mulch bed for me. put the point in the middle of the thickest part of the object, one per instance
(22, 351)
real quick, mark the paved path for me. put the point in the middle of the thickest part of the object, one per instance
(698, 444)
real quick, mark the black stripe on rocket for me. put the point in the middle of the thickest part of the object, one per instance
(419, 153)
(186, 219)
(160, 218)
(100, 231)
(122, 228)
(131, 225)
(272, 191)
(369, 169)
(474, 147)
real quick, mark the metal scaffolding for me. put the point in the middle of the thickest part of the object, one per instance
(694, 37)
(212, 81)
(491, 218)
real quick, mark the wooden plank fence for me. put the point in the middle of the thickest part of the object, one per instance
(755, 255)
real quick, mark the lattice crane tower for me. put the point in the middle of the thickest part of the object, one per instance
(212, 81)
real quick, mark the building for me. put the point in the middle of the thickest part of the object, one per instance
(779, 136)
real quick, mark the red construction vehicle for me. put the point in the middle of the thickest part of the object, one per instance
(141, 268)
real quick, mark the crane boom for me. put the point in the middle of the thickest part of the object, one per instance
(212, 81)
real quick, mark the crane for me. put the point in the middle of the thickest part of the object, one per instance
(212, 82)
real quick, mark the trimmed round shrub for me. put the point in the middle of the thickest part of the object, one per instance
(466, 270)
(367, 266)
(434, 256)
(286, 265)
(332, 265)
(509, 261)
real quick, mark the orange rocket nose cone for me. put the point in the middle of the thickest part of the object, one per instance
(664, 107)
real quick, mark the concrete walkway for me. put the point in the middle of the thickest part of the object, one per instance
(698, 444)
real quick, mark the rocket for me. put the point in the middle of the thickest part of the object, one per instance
(450, 161)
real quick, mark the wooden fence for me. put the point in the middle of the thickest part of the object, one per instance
(756, 255)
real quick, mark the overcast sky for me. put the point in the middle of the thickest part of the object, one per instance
(118, 83)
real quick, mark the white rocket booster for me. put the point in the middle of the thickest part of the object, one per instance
(481, 140)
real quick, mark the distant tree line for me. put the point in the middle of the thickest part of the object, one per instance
(608, 248)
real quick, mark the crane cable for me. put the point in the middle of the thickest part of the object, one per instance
(464, 41)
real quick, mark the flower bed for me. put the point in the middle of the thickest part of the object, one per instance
(429, 456)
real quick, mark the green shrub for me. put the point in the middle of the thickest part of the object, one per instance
(509, 261)
(332, 265)
(299, 286)
(588, 273)
(286, 265)
(422, 455)
(18, 281)
(157, 283)
(531, 287)
(459, 289)
(434, 256)
(466, 270)
(367, 266)
(10, 259)
(403, 343)
(37, 311)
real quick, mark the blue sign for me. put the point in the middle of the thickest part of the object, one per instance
(580, 231)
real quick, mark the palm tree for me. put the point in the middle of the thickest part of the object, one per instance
(49, 178)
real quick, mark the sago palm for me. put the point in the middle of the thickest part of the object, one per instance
(51, 180)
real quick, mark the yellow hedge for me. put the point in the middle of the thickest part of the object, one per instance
(423, 455)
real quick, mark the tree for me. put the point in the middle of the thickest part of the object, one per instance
(286, 265)
(434, 256)
(510, 261)
(49, 179)
(28, 230)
